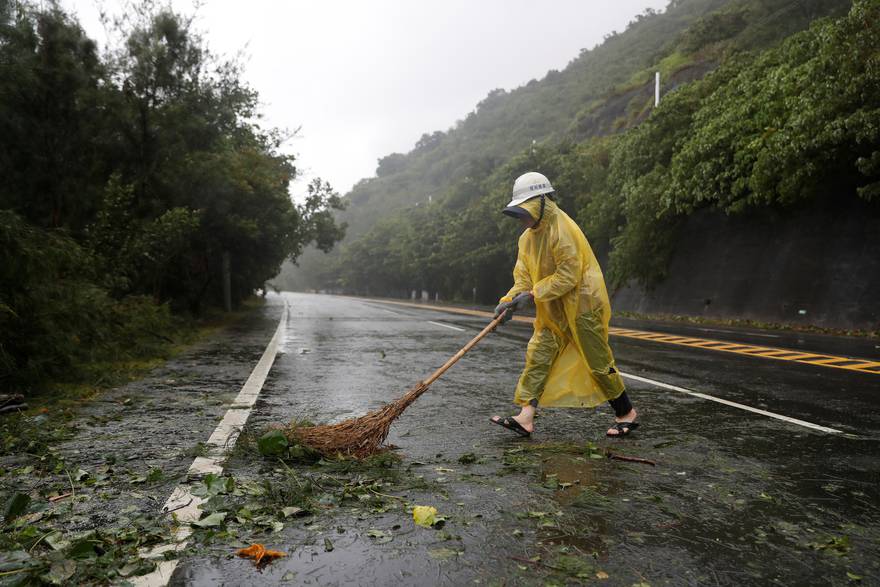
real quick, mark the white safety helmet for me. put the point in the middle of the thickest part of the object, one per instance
(527, 186)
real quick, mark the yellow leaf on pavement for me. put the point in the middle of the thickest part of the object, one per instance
(425, 515)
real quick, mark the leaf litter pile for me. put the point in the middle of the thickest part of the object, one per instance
(573, 489)
(294, 487)
(50, 534)
(318, 494)
(292, 498)
(49, 531)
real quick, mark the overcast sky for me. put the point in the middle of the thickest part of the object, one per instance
(366, 78)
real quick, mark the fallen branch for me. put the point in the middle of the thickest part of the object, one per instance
(13, 572)
(55, 498)
(13, 402)
(391, 496)
(618, 457)
(13, 408)
(667, 525)
(180, 507)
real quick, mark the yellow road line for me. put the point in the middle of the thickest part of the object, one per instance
(830, 361)
(779, 354)
(797, 356)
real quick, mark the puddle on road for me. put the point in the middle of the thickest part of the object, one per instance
(570, 474)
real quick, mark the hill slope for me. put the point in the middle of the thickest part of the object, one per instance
(586, 122)
(580, 101)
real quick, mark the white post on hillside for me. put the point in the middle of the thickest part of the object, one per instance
(656, 89)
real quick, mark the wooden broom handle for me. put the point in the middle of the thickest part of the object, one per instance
(464, 350)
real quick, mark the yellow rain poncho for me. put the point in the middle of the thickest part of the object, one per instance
(568, 360)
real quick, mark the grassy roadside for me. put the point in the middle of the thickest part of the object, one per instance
(44, 537)
(51, 413)
(95, 377)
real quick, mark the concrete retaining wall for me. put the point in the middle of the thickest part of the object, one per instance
(820, 266)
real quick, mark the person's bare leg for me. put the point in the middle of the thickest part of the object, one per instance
(628, 417)
(525, 418)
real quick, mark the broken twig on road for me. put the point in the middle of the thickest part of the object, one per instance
(617, 457)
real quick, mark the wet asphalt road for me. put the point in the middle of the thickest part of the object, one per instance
(736, 498)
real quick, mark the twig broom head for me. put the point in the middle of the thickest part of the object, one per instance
(356, 437)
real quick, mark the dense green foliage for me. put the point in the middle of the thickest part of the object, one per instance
(52, 312)
(126, 176)
(774, 125)
(774, 130)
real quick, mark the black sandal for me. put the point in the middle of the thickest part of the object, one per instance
(511, 424)
(623, 429)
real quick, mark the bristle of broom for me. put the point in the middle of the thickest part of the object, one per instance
(357, 437)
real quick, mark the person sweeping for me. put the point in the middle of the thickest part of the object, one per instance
(568, 361)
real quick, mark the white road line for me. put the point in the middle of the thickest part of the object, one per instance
(378, 308)
(733, 404)
(186, 506)
(446, 326)
(742, 332)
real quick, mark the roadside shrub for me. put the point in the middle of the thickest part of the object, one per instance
(53, 315)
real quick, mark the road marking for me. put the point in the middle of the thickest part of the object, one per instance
(780, 354)
(186, 506)
(733, 404)
(446, 326)
(734, 332)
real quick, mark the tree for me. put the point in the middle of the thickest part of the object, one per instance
(125, 179)
(52, 117)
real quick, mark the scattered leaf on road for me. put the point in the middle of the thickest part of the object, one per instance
(443, 553)
(273, 444)
(16, 505)
(380, 536)
(260, 553)
(425, 515)
(136, 568)
(292, 511)
(212, 520)
(61, 571)
(467, 458)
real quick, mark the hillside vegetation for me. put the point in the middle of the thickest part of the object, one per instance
(773, 126)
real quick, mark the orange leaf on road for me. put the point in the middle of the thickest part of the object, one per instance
(260, 553)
